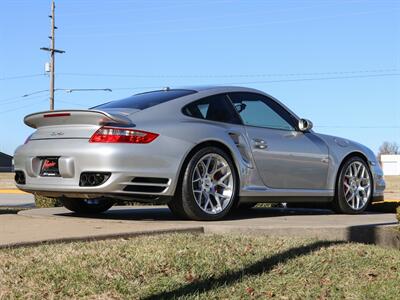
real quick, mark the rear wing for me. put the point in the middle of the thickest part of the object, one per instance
(71, 117)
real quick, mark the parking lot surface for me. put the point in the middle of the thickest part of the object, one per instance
(58, 224)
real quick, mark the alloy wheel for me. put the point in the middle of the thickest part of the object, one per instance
(213, 183)
(357, 185)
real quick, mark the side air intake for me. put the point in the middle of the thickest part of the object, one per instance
(148, 185)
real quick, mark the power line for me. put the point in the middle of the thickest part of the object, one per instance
(317, 79)
(157, 7)
(226, 83)
(225, 75)
(207, 17)
(86, 90)
(22, 76)
(357, 127)
(20, 100)
(22, 96)
(34, 93)
(201, 75)
(235, 26)
(16, 108)
(70, 90)
(269, 81)
(278, 81)
(73, 103)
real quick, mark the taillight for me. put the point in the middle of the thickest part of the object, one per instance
(108, 134)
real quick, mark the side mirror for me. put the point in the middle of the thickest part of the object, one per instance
(305, 125)
(240, 107)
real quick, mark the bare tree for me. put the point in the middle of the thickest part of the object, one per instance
(388, 148)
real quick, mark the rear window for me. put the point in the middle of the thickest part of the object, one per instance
(146, 100)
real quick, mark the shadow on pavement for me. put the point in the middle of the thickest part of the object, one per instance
(262, 266)
(155, 213)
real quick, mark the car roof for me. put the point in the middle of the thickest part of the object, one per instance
(213, 88)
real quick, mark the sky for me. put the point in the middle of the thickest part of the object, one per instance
(336, 63)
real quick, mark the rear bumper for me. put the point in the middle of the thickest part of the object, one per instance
(124, 161)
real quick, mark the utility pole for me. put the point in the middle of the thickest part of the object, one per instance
(52, 51)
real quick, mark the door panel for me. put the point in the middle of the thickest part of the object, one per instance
(285, 158)
(289, 159)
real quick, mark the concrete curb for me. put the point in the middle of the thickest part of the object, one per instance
(381, 232)
(385, 236)
(381, 235)
(196, 230)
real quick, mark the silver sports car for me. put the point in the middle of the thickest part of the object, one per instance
(203, 151)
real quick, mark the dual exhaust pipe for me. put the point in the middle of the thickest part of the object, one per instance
(86, 179)
(93, 178)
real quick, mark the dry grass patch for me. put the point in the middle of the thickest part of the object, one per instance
(7, 181)
(392, 187)
(201, 267)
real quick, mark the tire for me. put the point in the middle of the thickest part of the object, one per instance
(87, 206)
(176, 208)
(202, 195)
(354, 187)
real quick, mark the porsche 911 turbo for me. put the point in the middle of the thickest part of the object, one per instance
(202, 151)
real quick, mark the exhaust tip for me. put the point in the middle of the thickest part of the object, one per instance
(20, 177)
(93, 178)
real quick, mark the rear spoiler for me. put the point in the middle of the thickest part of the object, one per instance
(70, 117)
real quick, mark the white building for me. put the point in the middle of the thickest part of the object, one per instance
(390, 164)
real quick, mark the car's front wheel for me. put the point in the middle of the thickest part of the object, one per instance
(354, 187)
(87, 206)
(209, 186)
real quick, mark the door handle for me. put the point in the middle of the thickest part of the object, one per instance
(260, 144)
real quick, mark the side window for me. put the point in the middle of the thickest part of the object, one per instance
(258, 110)
(213, 108)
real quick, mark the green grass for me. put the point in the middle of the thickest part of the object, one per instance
(201, 267)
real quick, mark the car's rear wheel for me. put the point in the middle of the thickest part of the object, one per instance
(87, 206)
(354, 187)
(209, 186)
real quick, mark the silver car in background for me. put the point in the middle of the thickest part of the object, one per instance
(203, 151)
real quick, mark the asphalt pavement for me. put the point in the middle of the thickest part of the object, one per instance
(15, 198)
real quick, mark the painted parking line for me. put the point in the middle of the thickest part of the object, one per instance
(11, 191)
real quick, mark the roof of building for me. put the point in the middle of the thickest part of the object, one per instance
(3, 155)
